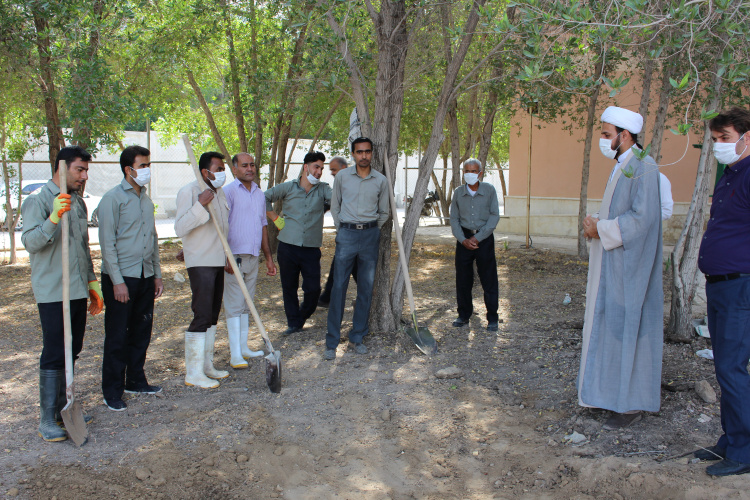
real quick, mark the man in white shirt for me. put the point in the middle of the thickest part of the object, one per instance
(205, 260)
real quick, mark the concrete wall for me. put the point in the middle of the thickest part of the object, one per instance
(559, 217)
(556, 166)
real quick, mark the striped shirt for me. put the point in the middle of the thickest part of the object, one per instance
(247, 216)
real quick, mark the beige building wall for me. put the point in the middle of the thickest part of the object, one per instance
(556, 164)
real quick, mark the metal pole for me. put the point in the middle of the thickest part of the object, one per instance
(148, 146)
(528, 175)
(406, 179)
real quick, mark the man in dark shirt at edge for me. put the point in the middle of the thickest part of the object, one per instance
(725, 260)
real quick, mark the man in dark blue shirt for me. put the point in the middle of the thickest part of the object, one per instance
(725, 260)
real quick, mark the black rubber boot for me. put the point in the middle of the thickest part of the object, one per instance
(49, 380)
(62, 400)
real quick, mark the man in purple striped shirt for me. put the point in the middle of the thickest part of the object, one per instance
(247, 236)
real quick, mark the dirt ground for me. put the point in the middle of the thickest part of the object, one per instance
(374, 426)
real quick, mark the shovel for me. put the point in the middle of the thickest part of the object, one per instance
(72, 414)
(273, 359)
(420, 335)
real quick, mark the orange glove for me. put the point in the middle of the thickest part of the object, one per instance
(95, 294)
(59, 207)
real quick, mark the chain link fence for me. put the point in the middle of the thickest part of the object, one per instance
(170, 171)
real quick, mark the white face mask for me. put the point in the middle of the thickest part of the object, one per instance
(219, 179)
(471, 178)
(605, 146)
(726, 152)
(144, 176)
(312, 179)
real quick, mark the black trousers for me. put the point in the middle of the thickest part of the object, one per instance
(207, 284)
(127, 335)
(295, 260)
(53, 334)
(326, 295)
(487, 270)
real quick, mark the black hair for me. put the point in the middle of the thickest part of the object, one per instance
(359, 140)
(69, 154)
(314, 156)
(236, 158)
(204, 163)
(127, 157)
(634, 136)
(339, 159)
(737, 118)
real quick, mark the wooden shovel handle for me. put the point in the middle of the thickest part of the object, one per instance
(399, 240)
(65, 238)
(227, 249)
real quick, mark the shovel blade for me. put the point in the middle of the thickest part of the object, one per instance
(273, 371)
(423, 339)
(72, 415)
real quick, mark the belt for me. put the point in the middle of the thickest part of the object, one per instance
(715, 278)
(470, 231)
(358, 225)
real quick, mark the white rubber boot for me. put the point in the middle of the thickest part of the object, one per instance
(233, 329)
(247, 353)
(194, 354)
(208, 357)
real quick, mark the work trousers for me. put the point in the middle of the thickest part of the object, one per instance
(484, 256)
(127, 335)
(360, 246)
(207, 284)
(294, 261)
(326, 295)
(234, 300)
(53, 334)
(728, 304)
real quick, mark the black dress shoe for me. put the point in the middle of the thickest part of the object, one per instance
(291, 330)
(710, 453)
(492, 326)
(621, 420)
(116, 404)
(459, 322)
(728, 467)
(146, 389)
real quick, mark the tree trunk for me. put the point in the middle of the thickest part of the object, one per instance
(661, 113)
(46, 84)
(648, 74)
(442, 206)
(82, 129)
(393, 45)
(294, 145)
(239, 119)
(490, 110)
(273, 153)
(446, 97)
(284, 123)
(327, 119)
(472, 126)
(583, 252)
(11, 217)
(209, 116)
(257, 115)
(685, 253)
